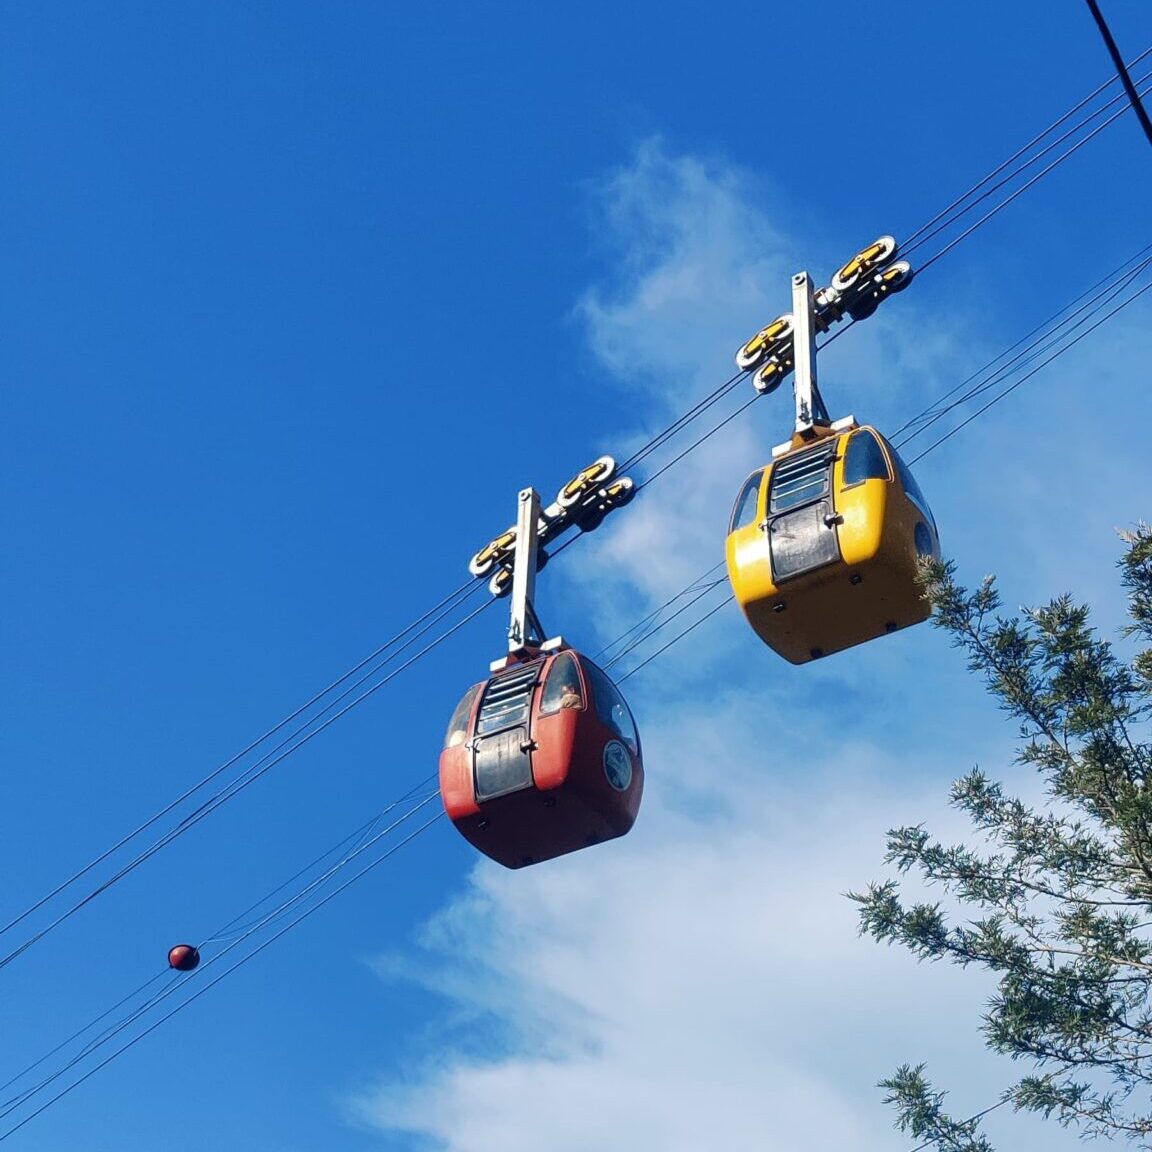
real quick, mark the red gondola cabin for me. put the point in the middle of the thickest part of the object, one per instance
(542, 759)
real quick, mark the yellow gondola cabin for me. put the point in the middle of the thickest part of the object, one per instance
(824, 544)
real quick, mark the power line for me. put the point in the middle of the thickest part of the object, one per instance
(1019, 192)
(631, 639)
(638, 633)
(1012, 388)
(946, 213)
(448, 602)
(10, 1105)
(233, 789)
(227, 972)
(680, 636)
(1121, 69)
(954, 213)
(641, 633)
(919, 237)
(1051, 332)
(456, 599)
(971, 1120)
(940, 222)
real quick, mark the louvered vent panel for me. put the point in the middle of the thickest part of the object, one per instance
(508, 700)
(799, 479)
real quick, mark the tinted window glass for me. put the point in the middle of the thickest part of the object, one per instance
(458, 725)
(911, 488)
(610, 706)
(562, 688)
(864, 459)
(745, 510)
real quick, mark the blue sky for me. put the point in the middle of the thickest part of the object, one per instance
(297, 297)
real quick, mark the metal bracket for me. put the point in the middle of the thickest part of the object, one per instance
(582, 503)
(788, 343)
(810, 408)
(525, 625)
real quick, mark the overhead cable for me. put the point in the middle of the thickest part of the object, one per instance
(1121, 69)
(447, 603)
(235, 787)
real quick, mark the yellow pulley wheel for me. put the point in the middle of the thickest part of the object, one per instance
(896, 276)
(618, 493)
(877, 253)
(771, 376)
(762, 343)
(586, 481)
(501, 583)
(484, 560)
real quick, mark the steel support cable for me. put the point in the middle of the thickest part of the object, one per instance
(1076, 319)
(460, 594)
(682, 421)
(233, 789)
(1033, 352)
(919, 237)
(698, 409)
(110, 1033)
(934, 408)
(1019, 191)
(991, 1108)
(7, 1107)
(926, 234)
(646, 450)
(1121, 69)
(224, 933)
(964, 1123)
(637, 457)
(696, 443)
(675, 639)
(640, 625)
(1068, 344)
(929, 230)
(1020, 152)
(227, 972)
(1027, 376)
(718, 393)
(1059, 352)
(698, 595)
(627, 675)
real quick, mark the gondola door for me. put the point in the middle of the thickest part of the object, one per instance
(801, 517)
(502, 748)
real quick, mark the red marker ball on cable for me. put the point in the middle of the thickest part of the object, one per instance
(183, 957)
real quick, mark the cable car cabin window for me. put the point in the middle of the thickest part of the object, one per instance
(562, 688)
(864, 459)
(458, 725)
(744, 511)
(911, 488)
(801, 479)
(610, 706)
(507, 700)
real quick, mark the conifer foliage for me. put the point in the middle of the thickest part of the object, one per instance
(1055, 899)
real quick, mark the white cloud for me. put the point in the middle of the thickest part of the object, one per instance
(700, 984)
(697, 984)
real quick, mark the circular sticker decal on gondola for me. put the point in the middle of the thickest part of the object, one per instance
(617, 765)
